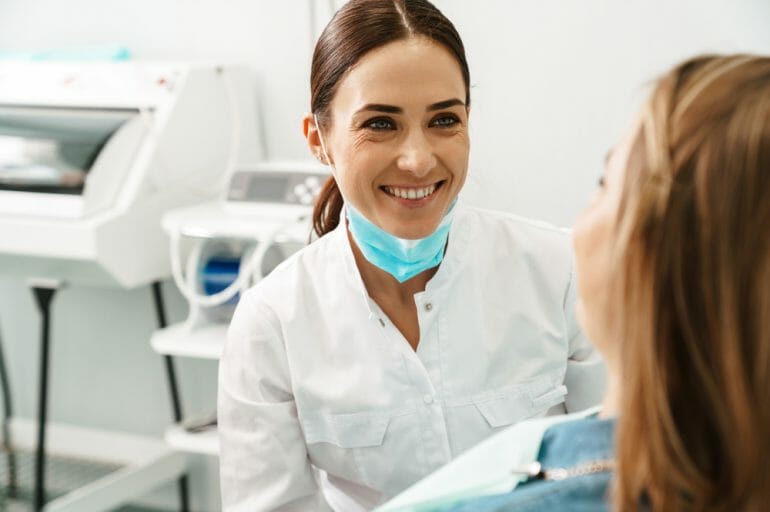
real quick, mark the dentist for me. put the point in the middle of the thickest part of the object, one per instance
(414, 327)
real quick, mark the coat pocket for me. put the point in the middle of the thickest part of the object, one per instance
(475, 417)
(520, 402)
(375, 449)
(355, 430)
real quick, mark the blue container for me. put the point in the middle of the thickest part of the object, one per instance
(218, 273)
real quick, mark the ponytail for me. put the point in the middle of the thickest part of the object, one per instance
(328, 208)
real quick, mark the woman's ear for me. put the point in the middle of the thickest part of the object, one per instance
(310, 131)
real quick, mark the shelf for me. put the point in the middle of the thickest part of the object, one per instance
(205, 443)
(247, 221)
(202, 342)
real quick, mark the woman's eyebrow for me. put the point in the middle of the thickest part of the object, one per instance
(444, 104)
(378, 107)
(392, 109)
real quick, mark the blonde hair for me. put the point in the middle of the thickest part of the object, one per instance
(693, 261)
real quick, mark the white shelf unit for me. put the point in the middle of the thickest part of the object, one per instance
(202, 443)
(251, 221)
(205, 342)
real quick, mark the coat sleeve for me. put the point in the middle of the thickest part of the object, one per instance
(586, 372)
(264, 464)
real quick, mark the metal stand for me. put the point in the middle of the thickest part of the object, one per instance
(160, 312)
(5, 383)
(142, 463)
(44, 293)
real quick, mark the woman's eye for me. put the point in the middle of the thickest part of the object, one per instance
(379, 124)
(445, 121)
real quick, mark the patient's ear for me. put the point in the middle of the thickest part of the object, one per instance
(310, 131)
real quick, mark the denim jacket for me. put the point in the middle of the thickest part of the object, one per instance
(566, 445)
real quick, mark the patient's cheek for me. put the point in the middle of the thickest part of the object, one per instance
(589, 322)
(580, 311)
(591, 239)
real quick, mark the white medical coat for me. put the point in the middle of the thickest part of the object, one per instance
(323, 403)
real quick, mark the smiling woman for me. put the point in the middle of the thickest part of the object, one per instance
(414, 327)
(401, 163)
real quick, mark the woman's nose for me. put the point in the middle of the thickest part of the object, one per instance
(417, 156)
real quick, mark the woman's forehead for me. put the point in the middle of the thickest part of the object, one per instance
(411, 72)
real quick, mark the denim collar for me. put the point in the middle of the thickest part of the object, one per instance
(577, 442)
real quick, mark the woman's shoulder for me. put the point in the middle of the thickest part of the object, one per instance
(515, 224)
(291, 279)
(578, 448)
(514, 235)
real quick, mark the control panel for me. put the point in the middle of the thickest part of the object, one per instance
(285, 187)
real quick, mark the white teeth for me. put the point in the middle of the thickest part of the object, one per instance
(411, 193)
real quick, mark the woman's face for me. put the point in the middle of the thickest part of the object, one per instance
(593, 238)
(398, 138)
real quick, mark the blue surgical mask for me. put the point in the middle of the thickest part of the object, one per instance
(401, 258)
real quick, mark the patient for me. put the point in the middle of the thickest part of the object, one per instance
(673, 260)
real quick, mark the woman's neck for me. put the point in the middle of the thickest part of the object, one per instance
(382, 286)
(612, 395)
(395, 299)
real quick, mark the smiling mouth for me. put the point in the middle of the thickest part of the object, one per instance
(413, 193)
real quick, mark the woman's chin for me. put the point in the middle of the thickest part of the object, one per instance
(587, 322)
(416, 233)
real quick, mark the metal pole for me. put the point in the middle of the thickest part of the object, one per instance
(7, 415)
(176, 403)
(44, 293)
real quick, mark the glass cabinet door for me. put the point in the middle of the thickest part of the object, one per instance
(52, 149)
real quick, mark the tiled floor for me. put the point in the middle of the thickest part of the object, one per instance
(138, 509)
(62, 476)
(26, 506)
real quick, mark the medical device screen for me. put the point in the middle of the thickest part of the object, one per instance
(268, 188)
(294, 188)
(53, 149)
(259, 187)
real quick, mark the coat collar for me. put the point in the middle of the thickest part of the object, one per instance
(449, 268)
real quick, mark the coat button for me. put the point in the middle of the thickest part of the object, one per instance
(428, 399)
(428, 306)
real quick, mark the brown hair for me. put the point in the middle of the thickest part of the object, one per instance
(357, 28)
(694, 267)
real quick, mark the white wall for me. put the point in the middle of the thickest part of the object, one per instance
(555, 83)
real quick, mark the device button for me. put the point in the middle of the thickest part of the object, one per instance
(313, 183)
